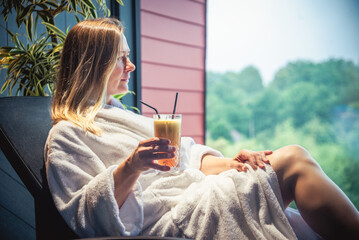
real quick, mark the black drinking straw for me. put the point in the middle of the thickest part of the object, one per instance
(151, 107)
(174, 108)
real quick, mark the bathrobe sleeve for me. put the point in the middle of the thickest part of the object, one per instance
(192, 153)
(83, 187)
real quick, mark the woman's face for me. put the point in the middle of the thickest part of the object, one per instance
(119, 78)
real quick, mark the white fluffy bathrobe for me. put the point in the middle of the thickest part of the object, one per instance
(231, 205)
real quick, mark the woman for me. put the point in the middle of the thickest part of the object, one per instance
(100, 169)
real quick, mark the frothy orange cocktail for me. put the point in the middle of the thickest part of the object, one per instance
(169, 126)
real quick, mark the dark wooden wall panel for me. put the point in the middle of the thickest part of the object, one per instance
(17, 214)
(11, 227)
(13, 194)
(173, 45)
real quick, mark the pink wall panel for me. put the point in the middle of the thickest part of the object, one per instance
(173, 44)
(155, 51)
(172, 30)
(163, 101)
(192, 125)
(167, 77)
(185, 10)
(198, 139)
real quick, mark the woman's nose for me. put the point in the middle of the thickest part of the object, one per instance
(130, 67)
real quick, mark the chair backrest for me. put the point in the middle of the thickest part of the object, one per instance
(24, 125)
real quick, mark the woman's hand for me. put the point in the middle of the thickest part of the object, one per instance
(127, 173)
(148, 150)
(253, 158)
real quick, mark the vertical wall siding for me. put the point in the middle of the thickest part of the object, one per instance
(173, 48)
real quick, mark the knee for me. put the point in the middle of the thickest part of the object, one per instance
(298, 159)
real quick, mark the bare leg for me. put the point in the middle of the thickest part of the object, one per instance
(320, 202)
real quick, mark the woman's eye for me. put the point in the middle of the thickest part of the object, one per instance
(123, 59)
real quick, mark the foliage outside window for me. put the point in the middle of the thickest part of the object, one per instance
(315, 105)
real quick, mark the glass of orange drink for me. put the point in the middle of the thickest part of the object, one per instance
(169, 126)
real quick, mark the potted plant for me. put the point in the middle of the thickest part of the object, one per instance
(31, 63)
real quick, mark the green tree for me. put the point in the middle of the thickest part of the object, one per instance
(293, 72)
(315, 105)
(250, 80)
(265, 110)
(229, 96)
(304, 101)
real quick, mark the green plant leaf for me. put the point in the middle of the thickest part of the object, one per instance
(20, 14)
(25, 12)
(16, 51)
(119, 96)
(36, 20)
(39, 89)
(5, 85)
(43, 16)
(29, 23)
(77, 18)
(59, 34)
(93, 13)
(31, 65)
(89, 4)
(18, 43)
(136, 109)
(73, 4)
(9, 32)
(52, 4)
(5, 51)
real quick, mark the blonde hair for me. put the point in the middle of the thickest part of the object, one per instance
(88, 58)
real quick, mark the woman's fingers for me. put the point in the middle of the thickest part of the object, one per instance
(152, 149)
(241, 167)
(260, 156)
(159, 167)
(163, 148)
(265, 154)
(156, 152)
(154, 141)
(246, 155)
(147, 156)
(268, 152)
(254, 158)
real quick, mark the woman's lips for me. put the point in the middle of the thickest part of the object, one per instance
(125, 80)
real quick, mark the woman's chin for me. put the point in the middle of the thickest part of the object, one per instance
(123, 90)
(123, 87)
